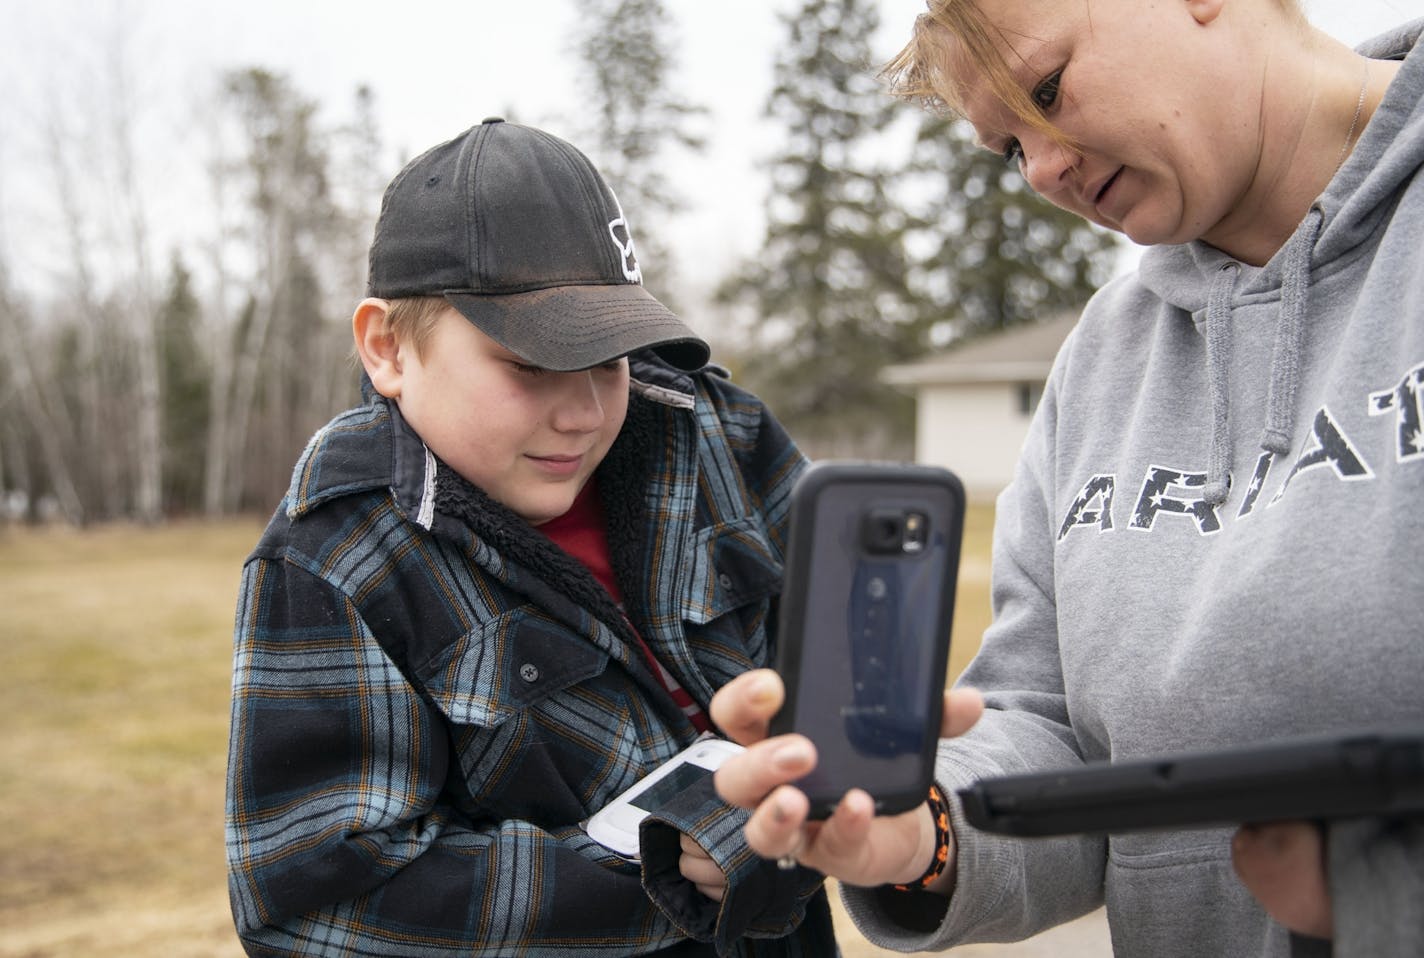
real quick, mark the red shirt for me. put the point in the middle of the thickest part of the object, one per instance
(583, 534)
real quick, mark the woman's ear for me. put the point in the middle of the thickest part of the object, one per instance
(377, 346)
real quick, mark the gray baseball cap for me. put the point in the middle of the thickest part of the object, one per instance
(519, 232)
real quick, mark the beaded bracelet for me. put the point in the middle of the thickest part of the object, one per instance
(940, 811)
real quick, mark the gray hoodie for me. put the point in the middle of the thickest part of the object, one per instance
(1213, 537)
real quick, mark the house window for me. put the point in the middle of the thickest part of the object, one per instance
(1029, 395)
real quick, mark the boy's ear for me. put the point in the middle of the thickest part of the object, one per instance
(377, 346)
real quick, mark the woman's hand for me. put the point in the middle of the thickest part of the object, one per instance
(852, 845)
(1283, 866)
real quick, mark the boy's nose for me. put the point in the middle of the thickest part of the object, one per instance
(579, 408)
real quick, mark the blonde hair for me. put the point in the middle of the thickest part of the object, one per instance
(412, 319)
(920, 72)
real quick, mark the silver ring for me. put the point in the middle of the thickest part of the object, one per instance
(788, 861)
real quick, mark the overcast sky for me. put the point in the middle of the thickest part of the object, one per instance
(437, 68)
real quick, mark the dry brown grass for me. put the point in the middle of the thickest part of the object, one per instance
(115, 649)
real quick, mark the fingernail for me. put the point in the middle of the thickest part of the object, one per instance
(761, 691)
(791, 756)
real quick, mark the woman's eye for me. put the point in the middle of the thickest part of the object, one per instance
(1013, 153)
(1046, 93)
(529, 370)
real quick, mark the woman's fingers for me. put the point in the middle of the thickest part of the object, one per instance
(853, 844)
(748, 777)
(1283, 866)
(743, 707)
(841, 843)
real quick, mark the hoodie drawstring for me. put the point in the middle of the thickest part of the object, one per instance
(1218, 351)
(1285, 357)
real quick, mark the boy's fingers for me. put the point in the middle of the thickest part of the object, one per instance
(743, 707)
(748, 777)
(962, 708)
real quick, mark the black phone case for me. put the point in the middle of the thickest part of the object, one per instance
(829, 499)
(1317, 777)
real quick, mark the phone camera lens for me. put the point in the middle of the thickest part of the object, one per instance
(882, 531)
(887, 531)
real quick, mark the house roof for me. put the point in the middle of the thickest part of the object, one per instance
(1020, 354)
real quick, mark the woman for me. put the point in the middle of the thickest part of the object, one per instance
(1210, 536)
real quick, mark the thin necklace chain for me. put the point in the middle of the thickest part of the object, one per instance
(1359, 108)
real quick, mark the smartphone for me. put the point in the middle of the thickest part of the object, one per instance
(863, 627)
(615, 825)
(1374, 772)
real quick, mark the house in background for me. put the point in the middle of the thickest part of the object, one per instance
(973, 402)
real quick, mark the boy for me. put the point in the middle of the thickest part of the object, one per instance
(503, 590)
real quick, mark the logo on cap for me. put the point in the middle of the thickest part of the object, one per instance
(631, 270)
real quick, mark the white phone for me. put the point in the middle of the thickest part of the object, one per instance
(615, 825)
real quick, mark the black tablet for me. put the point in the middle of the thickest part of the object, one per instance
(1368, 772)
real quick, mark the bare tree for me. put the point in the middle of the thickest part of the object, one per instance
(139, 287)
(271, 182)
(361, 169)
(102, 376)
(249, 320)
(102, 478)
(36, 402)
(221, 322)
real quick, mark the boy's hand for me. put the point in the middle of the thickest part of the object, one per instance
(697, 867)
(852, 845)
(1283, 866)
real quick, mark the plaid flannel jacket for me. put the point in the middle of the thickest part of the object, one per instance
(429, 696)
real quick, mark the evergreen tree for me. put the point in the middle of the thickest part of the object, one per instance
(625, 49)
(829, 290)
(998, 255)
(184, 375)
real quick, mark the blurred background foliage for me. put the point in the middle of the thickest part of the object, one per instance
(183, 382)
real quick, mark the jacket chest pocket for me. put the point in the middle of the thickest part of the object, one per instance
(733, 578)
(542, 729)
(492, 674)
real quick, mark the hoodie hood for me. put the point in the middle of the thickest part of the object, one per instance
(1342, 223)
